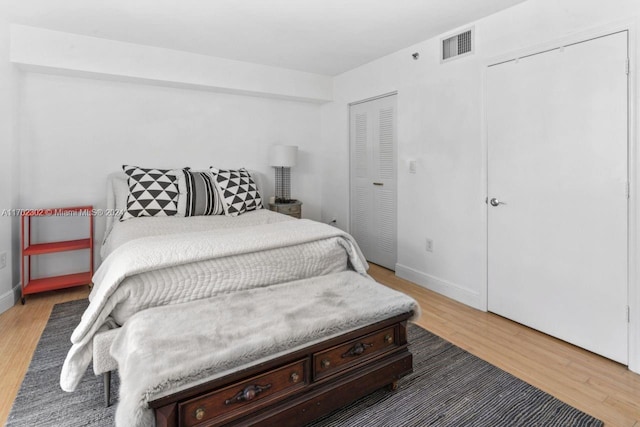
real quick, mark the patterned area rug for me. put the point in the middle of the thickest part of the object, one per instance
(449, 387)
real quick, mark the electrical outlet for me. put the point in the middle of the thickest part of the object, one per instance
(3, 260)
(429, 245)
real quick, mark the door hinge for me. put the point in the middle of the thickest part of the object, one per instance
(628, 314)
(627, 190)
(627, 66)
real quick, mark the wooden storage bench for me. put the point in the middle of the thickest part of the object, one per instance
(298, 387)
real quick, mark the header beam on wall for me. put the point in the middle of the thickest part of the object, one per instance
(57, 52)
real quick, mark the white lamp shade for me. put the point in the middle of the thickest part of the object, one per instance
(283, 155)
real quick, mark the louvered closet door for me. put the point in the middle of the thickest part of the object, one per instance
(373, 179)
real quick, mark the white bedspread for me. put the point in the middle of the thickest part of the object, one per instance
(206, 339)
(131, 229)
(164, 270)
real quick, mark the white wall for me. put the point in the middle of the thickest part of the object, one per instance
(8, 166)
(75, 131)
(440, 126)
(55, 51)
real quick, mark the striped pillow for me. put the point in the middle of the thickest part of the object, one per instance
(201, 196)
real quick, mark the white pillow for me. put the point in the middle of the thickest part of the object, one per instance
(120, 192)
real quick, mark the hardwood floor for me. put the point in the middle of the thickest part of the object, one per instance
(595, 385)
(20, 330)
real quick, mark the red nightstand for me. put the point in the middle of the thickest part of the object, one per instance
(29, 249)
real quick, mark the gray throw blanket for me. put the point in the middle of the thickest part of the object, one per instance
(165, 349)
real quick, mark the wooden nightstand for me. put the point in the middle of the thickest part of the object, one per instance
(293, 209)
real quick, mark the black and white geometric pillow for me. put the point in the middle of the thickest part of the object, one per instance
(238, 191)
(201, 195)
(152, 192)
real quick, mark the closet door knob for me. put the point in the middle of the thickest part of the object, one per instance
(496, 202)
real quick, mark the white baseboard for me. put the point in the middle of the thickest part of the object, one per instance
(443, 287)
(9, 298)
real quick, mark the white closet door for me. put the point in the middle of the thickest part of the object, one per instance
(373, 179)
(557, 159)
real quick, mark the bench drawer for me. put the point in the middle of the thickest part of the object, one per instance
(246, 395)
(335, 359)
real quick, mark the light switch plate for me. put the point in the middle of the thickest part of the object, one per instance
(412, 166)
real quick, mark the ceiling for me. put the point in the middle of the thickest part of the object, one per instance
(319, 36)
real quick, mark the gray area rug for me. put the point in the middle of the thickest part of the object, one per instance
(449, 387)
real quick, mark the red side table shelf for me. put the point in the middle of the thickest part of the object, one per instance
(29, 249)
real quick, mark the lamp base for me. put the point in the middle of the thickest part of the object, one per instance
(285, 201)
(283, 185)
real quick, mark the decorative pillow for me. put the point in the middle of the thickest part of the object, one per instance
(238, 191)
(152, 192)
(200, 193)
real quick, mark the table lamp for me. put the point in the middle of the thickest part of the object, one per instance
(282, 158)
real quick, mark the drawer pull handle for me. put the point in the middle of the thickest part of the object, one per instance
(378, 183)
(388, 339)
(356, 350)
(295, 377)
(325, 363)
(248, 393)
(199, 414)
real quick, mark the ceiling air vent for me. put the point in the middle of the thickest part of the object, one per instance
(456, 46)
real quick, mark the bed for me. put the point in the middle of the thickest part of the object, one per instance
(175, 261)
